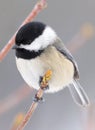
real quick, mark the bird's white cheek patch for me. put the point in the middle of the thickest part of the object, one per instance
(47, 38)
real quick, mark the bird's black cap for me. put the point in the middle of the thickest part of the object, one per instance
(29, 32)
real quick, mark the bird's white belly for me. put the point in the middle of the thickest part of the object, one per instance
(32, 70)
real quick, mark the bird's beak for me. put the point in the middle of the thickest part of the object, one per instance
(15, 47)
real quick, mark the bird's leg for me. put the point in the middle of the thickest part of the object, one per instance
(43, 85)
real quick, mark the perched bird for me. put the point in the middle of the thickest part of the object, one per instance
(38, 49)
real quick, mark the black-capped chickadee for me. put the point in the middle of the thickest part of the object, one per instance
(38, 49)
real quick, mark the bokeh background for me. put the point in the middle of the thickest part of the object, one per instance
(59, 112)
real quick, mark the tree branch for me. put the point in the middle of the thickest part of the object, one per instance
(39, 94)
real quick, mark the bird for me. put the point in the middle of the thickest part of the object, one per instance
(38, 48)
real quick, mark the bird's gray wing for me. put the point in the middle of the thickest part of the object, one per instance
(60, 47)
(76, 90)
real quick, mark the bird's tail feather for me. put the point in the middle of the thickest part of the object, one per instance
(78, 94)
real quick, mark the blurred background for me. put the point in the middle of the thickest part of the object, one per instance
(74, 22)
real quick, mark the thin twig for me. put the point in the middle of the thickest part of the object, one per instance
(38, 7)
(30, 112)
(39, 94)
